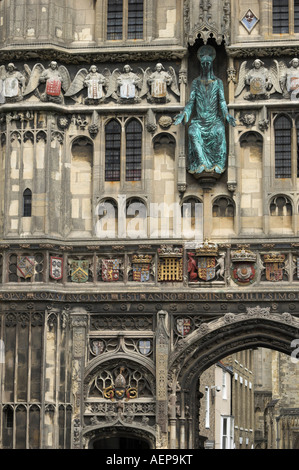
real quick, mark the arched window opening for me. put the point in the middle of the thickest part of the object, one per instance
(223, 207)
(125, 19)
(135, 19)
(27, 203)
(115, 19)
(281, 206)
(112, 151)
(280, 14)
(283, 150)
(133, 150)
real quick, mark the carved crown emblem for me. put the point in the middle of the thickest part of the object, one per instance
(207, 249)
(274, 258)
(243, 255)
(142, 259)
(169, 251)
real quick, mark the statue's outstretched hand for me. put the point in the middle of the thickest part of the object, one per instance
(179, 118)
(231, 120)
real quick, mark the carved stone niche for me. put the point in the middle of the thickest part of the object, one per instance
(207, 19)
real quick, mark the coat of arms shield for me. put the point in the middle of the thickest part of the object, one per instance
(159, 88)
(11, 87)
(94, 89)
(243, 273)
(206, 268)
(141, 272)
(53, 87)
(25, 266)
(56, 267)
(79, 270)
(183, 326)
(110, 270)
(257, 85)
(144, 346)
(274, 264)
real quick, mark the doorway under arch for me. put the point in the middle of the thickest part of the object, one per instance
(120, 442)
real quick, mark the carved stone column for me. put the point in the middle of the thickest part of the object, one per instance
(79, 323)
(162, 352)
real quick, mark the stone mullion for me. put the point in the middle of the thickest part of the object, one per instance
(6, 157)
(79, 323)
(47, 175)
(65, 183)
(96, 178)
(66, 178)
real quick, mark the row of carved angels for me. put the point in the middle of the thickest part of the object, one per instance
(54, 84)
(261, 82)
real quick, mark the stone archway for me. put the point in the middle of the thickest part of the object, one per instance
(118, 437)
(119, 402)
(258, 327)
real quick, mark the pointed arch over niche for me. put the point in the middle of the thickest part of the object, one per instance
(81, 187)
(281, 212)
(250, 182)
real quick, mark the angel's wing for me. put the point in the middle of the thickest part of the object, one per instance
(66, 79)
(33, 82)
(112, 82)
(241, 82)
(2, 77)
(145, 87)
(275, 75)
(174, 83)
(77, 84)
(2, 72)
(140, 74)
(27, 71)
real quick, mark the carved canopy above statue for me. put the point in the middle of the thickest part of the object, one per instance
(207, 19)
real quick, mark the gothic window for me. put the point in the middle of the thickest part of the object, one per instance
(283, 150)
(112, 147)
(133, 150)
(125, 19)
(123, 145)
(285, 14)
(27, 203)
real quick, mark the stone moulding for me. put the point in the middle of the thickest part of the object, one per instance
(251, 313)
(262, 50)
(85, 56)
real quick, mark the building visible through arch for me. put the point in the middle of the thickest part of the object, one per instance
(127, 269)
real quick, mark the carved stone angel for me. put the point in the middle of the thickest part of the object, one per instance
(156, 84)
(93, 81)
(12, 84)
(56, 79)
(125, 86)
(289, 79)
(260, 81)
(128, 84)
